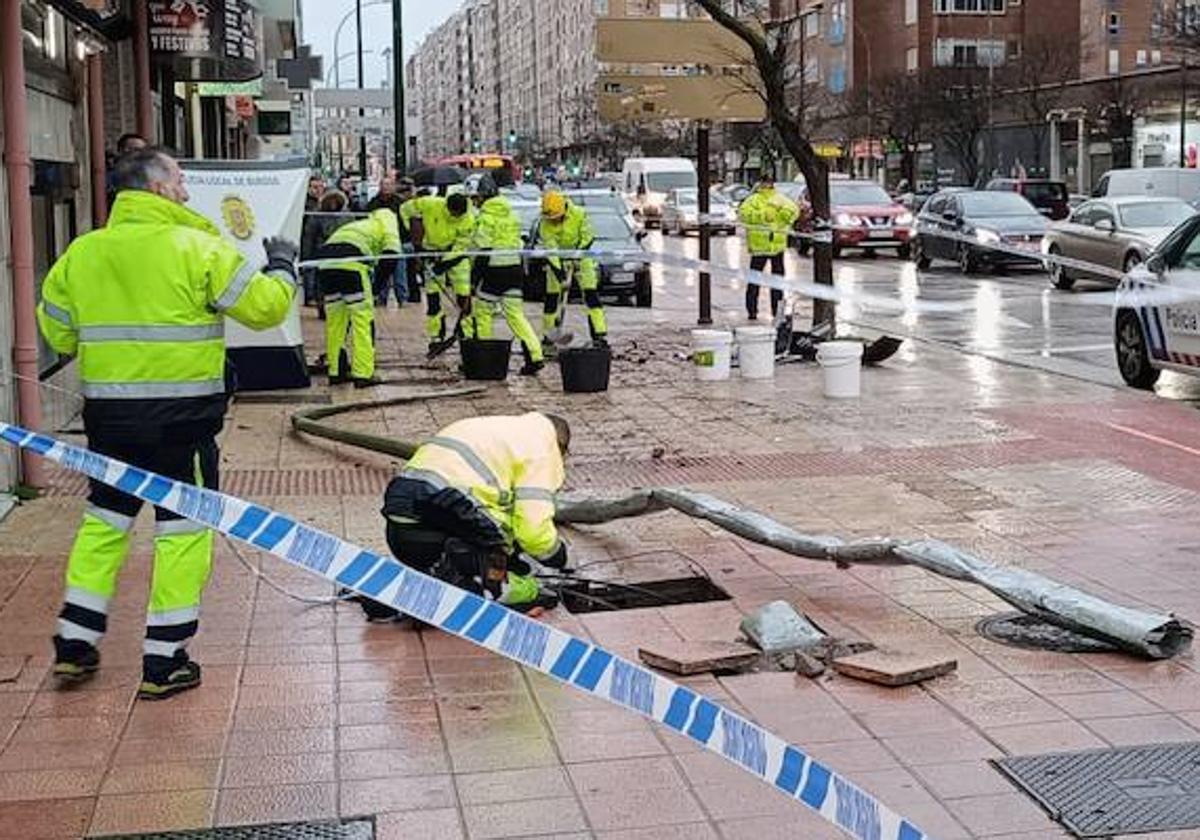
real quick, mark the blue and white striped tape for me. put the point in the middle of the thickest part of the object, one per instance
(580, 664)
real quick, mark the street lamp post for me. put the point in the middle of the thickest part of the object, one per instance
(362, 136)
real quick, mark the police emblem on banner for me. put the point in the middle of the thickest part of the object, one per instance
(238, 216)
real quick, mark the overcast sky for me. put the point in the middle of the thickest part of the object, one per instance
(321, 19)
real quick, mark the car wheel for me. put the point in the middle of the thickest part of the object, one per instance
(904, 252)
(644, 293)
(967, 262)
(1132, 261)
(919, 256)
(1133, 356)
(1058, 273)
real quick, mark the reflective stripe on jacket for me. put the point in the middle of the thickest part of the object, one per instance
(142, 302)
(770, 216)
(443, 231)
(510, 466)
(378, 233)
(572, 233)
(499, 229)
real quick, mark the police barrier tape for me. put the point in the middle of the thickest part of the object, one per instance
(559, 655)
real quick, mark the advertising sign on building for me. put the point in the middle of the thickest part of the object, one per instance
(205, 40)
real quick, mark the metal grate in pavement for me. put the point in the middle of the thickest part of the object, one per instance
(1128, 790)
(651, 472)
(358, 829)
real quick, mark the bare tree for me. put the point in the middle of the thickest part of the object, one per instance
(1115, 107)
(1035, 85)
(767, 37)
(904, 111)
(960, 97)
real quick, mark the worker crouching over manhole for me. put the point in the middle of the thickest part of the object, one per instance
(474, 502)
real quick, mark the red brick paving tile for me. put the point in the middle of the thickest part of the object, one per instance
(401, 688)
(908, 796)
(853, 756)
(858, 696)
(484, 682)
(264, 718)
(690, 831)
(912, 718)
(445, 824)
(446, 666)
(156, 778)
(1150, 675)
(60, 754)
(1033, 738)
(49, 784)
(253, 742)
(283, 803)
(58, 819)
(512, 786)
(1148, 729)
(50, 730)
(281, 654)
(381, 671)
(636, 808)
(1183, 696)
(600, 777)
(254, 771)
(1067, 682)
(411, 793)
(742, 799)
(146, 812)
(803, 823)
(919, 750)
(1123, 703)
(439, 644)
(598, 746)
(998, 703)
(253, 696)
(1004, 812)
(287, 674)
(158, 720)
(55, 703)
(485, 822)
(509, 754)
(179, 748)
(963, 779)
(392, 711)
(409, 760)
(397, 735)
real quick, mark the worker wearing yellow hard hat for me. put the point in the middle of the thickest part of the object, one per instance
(565, 226)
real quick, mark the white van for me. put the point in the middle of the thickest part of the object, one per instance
(1158, 181)
(646, 182)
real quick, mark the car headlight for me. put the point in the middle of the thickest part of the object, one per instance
(846, 220)
(904, 219)
(987, 237)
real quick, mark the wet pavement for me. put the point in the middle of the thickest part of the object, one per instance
(307, 711)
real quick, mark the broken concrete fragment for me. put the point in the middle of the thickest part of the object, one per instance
(684, 658)
(778, 628)
(893, 668)
(808, 666)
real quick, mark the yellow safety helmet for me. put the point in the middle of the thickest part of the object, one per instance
(554, 205)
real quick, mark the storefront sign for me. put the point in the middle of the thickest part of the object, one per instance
(205, 39)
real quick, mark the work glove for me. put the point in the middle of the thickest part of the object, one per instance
(281, 255)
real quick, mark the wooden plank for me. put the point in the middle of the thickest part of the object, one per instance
(684, 658)
(893, 668)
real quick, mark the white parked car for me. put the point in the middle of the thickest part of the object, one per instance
(681, 213)
(1157, 317)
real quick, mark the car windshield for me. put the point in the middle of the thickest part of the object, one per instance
(995, 204)
(1155, 214)
(1044, 194)
(667, 181)
(611, 227)
(857, 194)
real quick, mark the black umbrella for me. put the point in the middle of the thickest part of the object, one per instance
(438, 176)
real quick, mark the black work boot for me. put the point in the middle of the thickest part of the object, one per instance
(367, 382)
(164, 676)
(75, 661)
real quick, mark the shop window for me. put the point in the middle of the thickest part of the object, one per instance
(45, 34)
(1114, 62)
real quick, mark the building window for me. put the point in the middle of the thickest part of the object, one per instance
(1141, 58)
(968, 7)
(912, 60)
(1156, 57)
(600, 7)
(837, 78)
(812, 25)
(968, 52)
(1114, 62)
(1114, 23)
(910, 12)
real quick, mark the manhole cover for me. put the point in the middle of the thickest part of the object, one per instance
(284, 398)
(1100, 793)
(359, 829)
(586, 596)
(1026, 631)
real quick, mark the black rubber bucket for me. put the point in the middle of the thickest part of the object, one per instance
(585, 370)
(486, 358)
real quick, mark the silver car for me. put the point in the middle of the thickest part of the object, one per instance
(681, 213)
(1114, 234)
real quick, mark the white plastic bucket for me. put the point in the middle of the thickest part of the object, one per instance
(842, 363)
(711, 352)
(756, 352)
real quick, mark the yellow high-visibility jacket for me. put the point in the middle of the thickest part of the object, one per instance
(572, 233)
(443, 231)
(510, 466)
(378, 233)
(142, 301)
(770, 216)
(499, 229)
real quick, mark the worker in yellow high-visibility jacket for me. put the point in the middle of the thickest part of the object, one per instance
(445, 225)
(565, 226)
(142, 303)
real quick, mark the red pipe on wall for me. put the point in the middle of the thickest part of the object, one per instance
(141, 71)
(18, 167)
(95, 87)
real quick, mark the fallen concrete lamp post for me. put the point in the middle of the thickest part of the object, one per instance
(1152, 635)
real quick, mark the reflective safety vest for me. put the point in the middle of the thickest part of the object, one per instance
(443, 231)
(770, 216)
(571, 233)
(499, 229)
(378, 233)
(142, 302)
(510, 466)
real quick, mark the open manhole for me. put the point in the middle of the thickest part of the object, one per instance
(1102, 793)
(355, 829)
(284, 398)
(1031, 633)
(587, 596)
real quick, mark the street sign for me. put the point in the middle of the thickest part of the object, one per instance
(301, 71)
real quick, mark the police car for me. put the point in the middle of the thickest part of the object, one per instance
(1152, 335)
